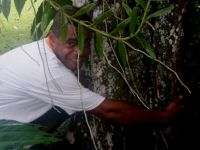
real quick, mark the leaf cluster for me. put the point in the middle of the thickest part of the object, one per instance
(18, 136)
(133, 21)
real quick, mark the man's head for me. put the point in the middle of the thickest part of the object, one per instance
(68, 51)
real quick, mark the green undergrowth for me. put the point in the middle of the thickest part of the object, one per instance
(16, 30)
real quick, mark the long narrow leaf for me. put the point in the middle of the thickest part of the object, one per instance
(19, 4)
(133, 22)
(102, 17)
(81, 38)
(44, 20)
(38, 33)
(122, 52)
(46, 7)
(99, 44)
(120, 26)
(161, 12)
(141, 3)
(64, 28)
(146, 45)
(6, 4)
(16, 135)
(84, 9)
(0, 6)
(38, 17)
(127, 9)
(48, 15)
(62, 3)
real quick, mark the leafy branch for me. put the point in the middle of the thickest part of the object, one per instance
(19, 136)
(123, 40)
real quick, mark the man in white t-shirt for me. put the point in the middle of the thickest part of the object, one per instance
(37, 85)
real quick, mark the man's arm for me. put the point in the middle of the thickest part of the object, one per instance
(127, 114)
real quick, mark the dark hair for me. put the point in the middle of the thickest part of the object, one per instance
(57, 21)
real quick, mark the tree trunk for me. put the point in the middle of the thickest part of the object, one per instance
(154, 84)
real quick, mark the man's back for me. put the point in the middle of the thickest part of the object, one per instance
(20, 69)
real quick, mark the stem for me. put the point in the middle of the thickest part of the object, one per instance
(131, 89)
(160, 62)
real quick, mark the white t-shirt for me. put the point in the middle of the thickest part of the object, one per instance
(33, 79)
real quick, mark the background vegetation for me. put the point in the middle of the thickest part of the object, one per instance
(15, 30)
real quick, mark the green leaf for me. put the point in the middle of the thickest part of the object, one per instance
(161, 12)
(38, 17)
(141, 3)
(133, 21)
(15, 135)
(46, 7)
(0, 6)
(42, 20)
(48, 15)
(19, 4)
(127, 9)
(38, 33)
(146, 45)
(64, 28)
(102, 17)
(63, 2)
(99, 44)
(122, 52)
(66, 6)
(157, 0)
(121, 26)
(84, 9)
(81, 38)
(6, 4)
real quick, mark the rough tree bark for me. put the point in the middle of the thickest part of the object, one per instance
(155, 84)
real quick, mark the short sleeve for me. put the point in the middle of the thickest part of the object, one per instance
(64, 90)
(53, 83)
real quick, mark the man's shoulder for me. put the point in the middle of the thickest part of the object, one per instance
(30, 45)
(21, 56)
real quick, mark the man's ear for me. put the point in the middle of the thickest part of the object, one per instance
(52, 39)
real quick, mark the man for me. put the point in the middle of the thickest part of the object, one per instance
(37, 85)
